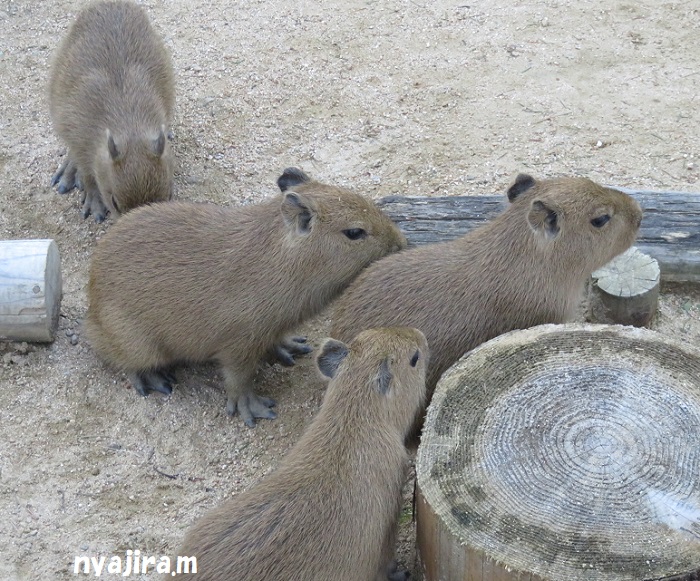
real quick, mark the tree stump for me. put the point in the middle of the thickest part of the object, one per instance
(30, 290)
(563, 453)
(626, 290)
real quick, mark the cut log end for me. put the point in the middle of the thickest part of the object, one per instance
(563, 452)
(30, 290)
(626, 290)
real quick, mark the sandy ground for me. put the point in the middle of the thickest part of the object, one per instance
(397, 97)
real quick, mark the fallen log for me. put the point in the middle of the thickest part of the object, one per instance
(670, 230)
(30, 290)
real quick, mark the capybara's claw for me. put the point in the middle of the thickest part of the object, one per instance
(287, 349)
(251, 406)
(92, 204)
(148, 381)
(283, 356)
(65, 177)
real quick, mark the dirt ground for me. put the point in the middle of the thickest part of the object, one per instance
(398, 97)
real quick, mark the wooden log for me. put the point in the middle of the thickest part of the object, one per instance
(563, 452)
(625, 291)
(670, 229)
(30, 290)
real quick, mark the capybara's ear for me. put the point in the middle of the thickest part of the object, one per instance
(330, 357)
(298, 211)
(544, 219)
(158, 144)
(522, 184)
(292, 176)
(114, 152)
(384, 376)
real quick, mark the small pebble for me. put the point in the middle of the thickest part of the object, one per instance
(74, 340)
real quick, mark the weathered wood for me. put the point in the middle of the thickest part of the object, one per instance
(442, 556)
(30, 290)
(563, 452)
(625, 291)
(670, 229)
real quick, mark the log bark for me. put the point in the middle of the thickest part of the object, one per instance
(30, 290)
(563, 452)
(625, 291)
(670, 230)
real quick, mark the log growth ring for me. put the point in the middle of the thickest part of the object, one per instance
(570, 452)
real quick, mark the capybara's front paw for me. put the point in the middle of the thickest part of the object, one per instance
(93, 204)
(251, 406)
(289, 348)
(66, 177)
(394, 573)
(147, 381)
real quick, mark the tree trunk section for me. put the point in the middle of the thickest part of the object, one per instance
(563, 453)
(30, 290)
(625, 291)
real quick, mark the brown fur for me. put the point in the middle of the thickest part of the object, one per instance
(194, 282)
(517, 271)
(330, 509)
(112, 95)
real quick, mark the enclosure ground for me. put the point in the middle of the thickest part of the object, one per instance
(398, 97)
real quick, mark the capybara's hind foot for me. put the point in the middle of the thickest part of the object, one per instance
(168, 375)
(66, 177)
(251, 406)
(93, 204)
(396, 574)
(289, 348)
(147, 381)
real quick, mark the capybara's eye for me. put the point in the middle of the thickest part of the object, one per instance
(355, 233)
(600, 221)
(415, 358)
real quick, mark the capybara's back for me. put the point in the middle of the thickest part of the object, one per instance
(526, 267)
(111, 97)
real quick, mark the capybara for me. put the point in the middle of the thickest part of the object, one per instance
(186, 282)
(330, 510)
(526, 267)
(111, 96)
